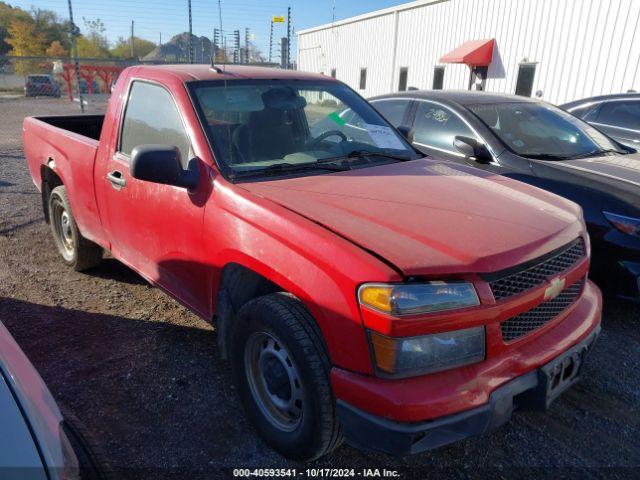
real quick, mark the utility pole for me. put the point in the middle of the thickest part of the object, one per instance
(160, 39)
(190, 34)
(236, 46)
(216, 45)
(133, 50)
(271, 40)
(246, 45)
(288, 37)
(284, 49)
(75, 31)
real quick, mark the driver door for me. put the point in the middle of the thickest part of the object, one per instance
(434, 129)
(156, 229)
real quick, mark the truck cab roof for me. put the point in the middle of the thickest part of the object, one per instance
(188, 72)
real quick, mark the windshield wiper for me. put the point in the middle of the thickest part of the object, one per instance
(288, 167)
(594, 153)
(365, 153)
(368, 153)
(546, 156)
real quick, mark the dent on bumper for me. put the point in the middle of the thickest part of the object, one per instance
(526, 392)
(446, 393)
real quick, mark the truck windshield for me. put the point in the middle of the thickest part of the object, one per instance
(539, 130)
(262, 126)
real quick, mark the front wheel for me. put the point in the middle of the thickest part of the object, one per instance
(76, 251)
(281, 370)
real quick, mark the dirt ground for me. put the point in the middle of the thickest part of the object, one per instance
(143, 373)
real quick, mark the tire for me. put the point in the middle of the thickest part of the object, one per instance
(294, 411)
(76, 251)
(91, 459)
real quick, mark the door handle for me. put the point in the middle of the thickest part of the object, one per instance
(116, 179)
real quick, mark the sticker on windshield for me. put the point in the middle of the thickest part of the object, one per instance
(336, 118)
(384, 137)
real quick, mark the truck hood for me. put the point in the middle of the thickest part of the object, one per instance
(432, 217)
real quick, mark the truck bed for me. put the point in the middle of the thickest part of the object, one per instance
(67, 146)
(85, 125)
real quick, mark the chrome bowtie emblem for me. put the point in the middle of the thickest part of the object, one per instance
(556, 287)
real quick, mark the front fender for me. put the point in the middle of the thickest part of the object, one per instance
(303, 258)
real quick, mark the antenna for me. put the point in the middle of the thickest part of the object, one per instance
(221, 31)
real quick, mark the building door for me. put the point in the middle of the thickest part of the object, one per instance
(478, 78)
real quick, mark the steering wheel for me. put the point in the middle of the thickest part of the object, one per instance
(313, 142)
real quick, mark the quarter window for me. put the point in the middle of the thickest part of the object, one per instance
(392, 110)
(436, 126)
(152, 117)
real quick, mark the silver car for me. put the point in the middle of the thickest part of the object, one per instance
(36, 442)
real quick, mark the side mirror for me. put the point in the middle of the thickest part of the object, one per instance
(406, 132)
(472, 148)
(161, 164)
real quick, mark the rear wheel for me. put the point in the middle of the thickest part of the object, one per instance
(76, 251)
(281, 369)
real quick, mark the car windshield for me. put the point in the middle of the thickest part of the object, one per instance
(540, 130)
(262, 126)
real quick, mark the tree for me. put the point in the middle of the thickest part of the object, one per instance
(56, 50)
(88, 48)
(141, 47)
(8, 15)
(25, 41)
(53, 28)
(94, 43)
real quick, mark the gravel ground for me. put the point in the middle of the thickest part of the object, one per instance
(142, 373)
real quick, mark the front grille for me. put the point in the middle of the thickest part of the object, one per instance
(535, 318)
(532, 274)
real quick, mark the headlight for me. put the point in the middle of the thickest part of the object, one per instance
(416, 298)
(628, 225)
(411, 356)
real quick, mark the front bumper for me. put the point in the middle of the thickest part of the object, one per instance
(532, 391)
(615, 264)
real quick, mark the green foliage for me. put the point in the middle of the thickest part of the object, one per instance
(8, 15)
(141, 47)
(52, 27)
(93, 43)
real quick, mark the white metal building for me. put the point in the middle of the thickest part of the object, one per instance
(560, 49)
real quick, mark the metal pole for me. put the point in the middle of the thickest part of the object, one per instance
(133, 52)
(190, 34)
(75, 31)
(271, 40)
(288, 37)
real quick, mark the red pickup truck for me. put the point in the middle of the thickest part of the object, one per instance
(359, 289)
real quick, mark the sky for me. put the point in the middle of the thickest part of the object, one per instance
(153, 18)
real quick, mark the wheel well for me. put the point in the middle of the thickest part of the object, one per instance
(50, 180)
(238, 285)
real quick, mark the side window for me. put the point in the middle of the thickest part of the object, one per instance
(151, 116)
(392, 110)
(621, 114)
(436, 126)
